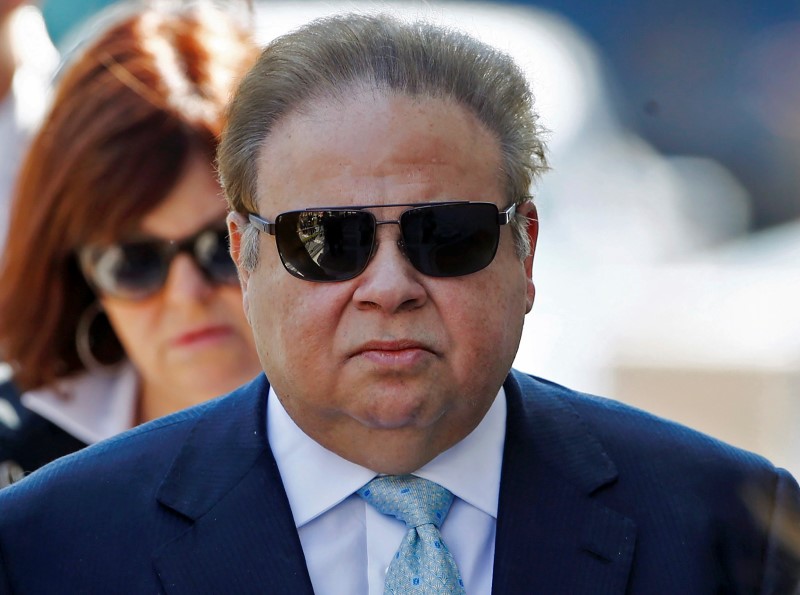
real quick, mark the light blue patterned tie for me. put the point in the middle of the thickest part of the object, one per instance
(422, 564)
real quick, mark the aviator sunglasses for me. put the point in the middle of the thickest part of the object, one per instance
(138, 269)
(441, 239)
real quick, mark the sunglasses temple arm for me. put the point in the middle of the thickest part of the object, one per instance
(261, 224)
(504, 217)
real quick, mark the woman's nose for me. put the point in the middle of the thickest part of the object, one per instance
(185, 281)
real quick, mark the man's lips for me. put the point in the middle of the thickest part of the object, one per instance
(201, 335)
(396, 345)
(399, 352)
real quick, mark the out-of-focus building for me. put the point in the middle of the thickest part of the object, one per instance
(714, 342)
(719, 78)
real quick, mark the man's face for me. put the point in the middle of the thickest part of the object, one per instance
(392, 367)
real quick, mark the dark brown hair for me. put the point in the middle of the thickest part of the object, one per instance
(127, 114)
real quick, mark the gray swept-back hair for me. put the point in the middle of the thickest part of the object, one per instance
(332, 56)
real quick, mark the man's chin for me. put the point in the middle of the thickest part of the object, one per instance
(398, 414)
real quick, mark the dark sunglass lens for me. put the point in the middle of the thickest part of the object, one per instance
(212, 254)
(325, 245)
(451, 240)
(131, 271)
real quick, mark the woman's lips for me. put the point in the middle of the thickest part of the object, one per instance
(202, 336)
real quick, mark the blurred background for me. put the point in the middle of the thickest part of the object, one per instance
(667, 271)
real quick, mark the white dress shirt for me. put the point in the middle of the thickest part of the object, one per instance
(348, 544)
(91, 406)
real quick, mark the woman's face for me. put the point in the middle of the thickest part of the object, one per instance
(189, 341)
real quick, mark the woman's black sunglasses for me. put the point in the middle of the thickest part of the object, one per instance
(443, 239)
(138, 269)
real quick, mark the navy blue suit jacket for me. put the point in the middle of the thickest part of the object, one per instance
(595, 498)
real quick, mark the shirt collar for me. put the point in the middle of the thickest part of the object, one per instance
(91, 406)
(316, 479)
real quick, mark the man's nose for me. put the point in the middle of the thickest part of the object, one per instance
(389, 283)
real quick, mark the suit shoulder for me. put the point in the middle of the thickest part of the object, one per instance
(28, 441)
(141, 455)
(147, 485)
(635, 435)
(138, 452)
(716, 508)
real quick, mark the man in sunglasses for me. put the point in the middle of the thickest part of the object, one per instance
(378, 176)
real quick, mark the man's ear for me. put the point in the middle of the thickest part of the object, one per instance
(532, 229)
(236, 226)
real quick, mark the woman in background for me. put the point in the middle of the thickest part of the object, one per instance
(119, 302)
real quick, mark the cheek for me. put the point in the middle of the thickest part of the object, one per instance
(310, 316)
(276, 315)
(485, 318)
(135, 325)
(295, 322)
(230, 303)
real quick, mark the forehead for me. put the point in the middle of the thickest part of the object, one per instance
(195, 201)
(373, 148)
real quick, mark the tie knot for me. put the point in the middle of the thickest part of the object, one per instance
(413, 500)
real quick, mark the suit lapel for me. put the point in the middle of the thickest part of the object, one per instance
(553, 536)
(241, 536)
